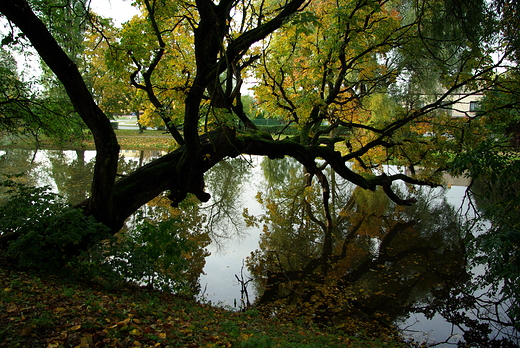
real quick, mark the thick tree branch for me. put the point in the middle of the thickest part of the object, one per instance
(241, 44)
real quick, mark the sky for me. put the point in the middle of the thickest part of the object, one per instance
(120, 10)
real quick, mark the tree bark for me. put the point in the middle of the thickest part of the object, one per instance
(183, 170)
(165, 174)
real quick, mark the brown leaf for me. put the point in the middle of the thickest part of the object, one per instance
(26, 331)
(86, 341)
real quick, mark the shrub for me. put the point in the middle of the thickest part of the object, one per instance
(48, 231)
(162, 255)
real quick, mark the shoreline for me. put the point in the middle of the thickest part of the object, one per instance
(127, 139)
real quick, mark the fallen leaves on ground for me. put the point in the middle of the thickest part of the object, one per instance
(48, 311)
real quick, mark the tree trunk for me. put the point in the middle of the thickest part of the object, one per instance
(20, 13)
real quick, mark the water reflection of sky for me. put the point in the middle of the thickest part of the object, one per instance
(221, 287)
(219, 283)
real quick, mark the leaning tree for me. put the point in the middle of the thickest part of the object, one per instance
(359, 83)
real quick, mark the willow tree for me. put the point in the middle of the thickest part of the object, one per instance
(377, 70)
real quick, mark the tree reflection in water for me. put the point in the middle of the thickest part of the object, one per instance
(226, 182)
(329, 256)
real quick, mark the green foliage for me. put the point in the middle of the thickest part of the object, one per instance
(66, 21)
(32, 102)
(163, 255)
(497, 246)
(500, 108)
(28, 111)
(167, 255)
(45, 226)
(494, 166)
(13, 95)
(257, 342)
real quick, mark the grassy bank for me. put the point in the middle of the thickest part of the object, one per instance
(128, 139)
(148, 140)
(39, 310)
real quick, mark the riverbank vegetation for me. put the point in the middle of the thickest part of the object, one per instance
(92, 302)
(61, 310)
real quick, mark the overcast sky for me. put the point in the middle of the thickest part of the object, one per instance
(120, 10)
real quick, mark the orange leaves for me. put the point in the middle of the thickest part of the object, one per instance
(130, 331)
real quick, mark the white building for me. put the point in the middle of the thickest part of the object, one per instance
(463, 104)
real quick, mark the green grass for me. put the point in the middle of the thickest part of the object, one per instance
(128, 139)
(39, 310)
(148, 140)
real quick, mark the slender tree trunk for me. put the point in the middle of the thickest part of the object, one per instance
(141, 127)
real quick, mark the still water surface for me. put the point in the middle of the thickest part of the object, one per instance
(69, 173)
